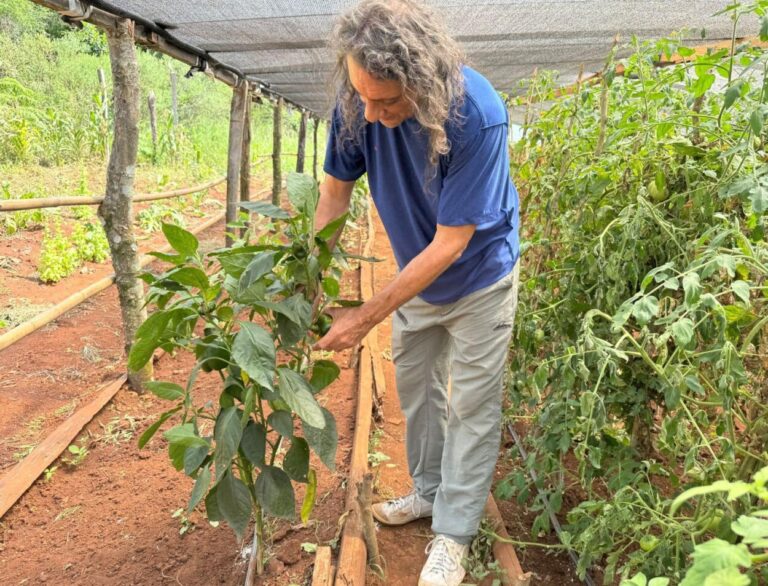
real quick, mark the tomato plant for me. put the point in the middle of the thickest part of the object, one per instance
(238, 309)
(641, 353)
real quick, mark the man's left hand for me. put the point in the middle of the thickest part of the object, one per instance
(350, 325)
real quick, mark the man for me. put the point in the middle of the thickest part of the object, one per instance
(431, 134)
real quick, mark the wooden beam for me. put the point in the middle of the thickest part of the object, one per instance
(301, 155)
(235, 153)
(15, 482)
(116, 211)
(277, 139)
(322, 574)
(504, 552)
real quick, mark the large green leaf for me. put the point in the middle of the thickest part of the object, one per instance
(254, 352)
(295, 308)
(234, 503)
(281, 422)
(645, 309)
(261, 265)
(332, 227)
(692, 288)
(302, 193)
(152, 429)
(148, 339)
(323, 441)
(227, 434)
(189, 277)
(324, 372)
(290, 332)
(297, 393)
(180, 240)
(184, 435)
(165, 390)
(753, 529)
(683, 331)
(274, 492)
(212, 506)
(254, 443)
(201, 487)
(711, 558)
(296, 462)
(265, 209)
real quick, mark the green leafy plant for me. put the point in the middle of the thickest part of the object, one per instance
(77, 454)
(58, 257)
(90, 241)
(238, 309)
(640, 354)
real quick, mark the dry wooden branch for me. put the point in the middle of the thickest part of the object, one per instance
(364, 503)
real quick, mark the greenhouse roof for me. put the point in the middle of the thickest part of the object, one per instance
(283, 43)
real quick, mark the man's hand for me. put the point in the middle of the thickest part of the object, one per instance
(350, 326)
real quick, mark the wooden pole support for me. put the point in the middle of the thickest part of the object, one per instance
(277, 139)
(235, 153)
(364, 503)
(353, 552)
(503, 552)
(116, 211)
(15, 482)
(151, 101)
(245, 162)
(314, 150)
(322, 575)
(301, 154)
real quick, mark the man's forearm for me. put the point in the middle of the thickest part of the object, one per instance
(412, 280)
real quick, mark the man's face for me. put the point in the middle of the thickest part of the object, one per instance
(384, 100)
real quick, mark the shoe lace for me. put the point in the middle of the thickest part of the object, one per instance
(411, 499)
(441, 562)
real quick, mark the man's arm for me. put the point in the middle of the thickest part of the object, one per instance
(351, 325)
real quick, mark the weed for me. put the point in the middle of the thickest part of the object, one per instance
(90, 354)
(49, 472)
(23, 451)
(68, 512)
(90, 241)
(79, 454)
(118, 430)
(187, 525)
(66, 410)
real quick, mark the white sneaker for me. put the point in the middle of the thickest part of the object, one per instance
(443, 567)
(402, 510)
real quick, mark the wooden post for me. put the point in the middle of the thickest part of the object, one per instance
(174, 99)
(245, 162)
(152, 121)
(300, 156)
(314, 151)
(235, 155)
(277, 134)
(116, 210)
(104, 98)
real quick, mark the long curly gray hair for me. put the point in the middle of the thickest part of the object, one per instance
(400, 40)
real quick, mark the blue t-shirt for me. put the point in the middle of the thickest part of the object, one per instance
(471, 186)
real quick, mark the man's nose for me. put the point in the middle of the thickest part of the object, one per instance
(371, 113)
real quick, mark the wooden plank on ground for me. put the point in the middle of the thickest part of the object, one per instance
(322, 575)
(18, 479)
(504, 553)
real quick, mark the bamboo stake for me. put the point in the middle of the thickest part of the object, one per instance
(47, 316)
(174, 99)
(11, 205)
(235, 154)
(504, 552)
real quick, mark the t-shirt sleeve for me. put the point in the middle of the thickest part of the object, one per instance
(344, 159)
(473, 186)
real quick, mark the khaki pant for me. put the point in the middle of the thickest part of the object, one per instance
(452, 439)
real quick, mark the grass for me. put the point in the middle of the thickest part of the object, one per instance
(18, 310)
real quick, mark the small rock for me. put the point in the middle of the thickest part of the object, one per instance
(289, 556)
